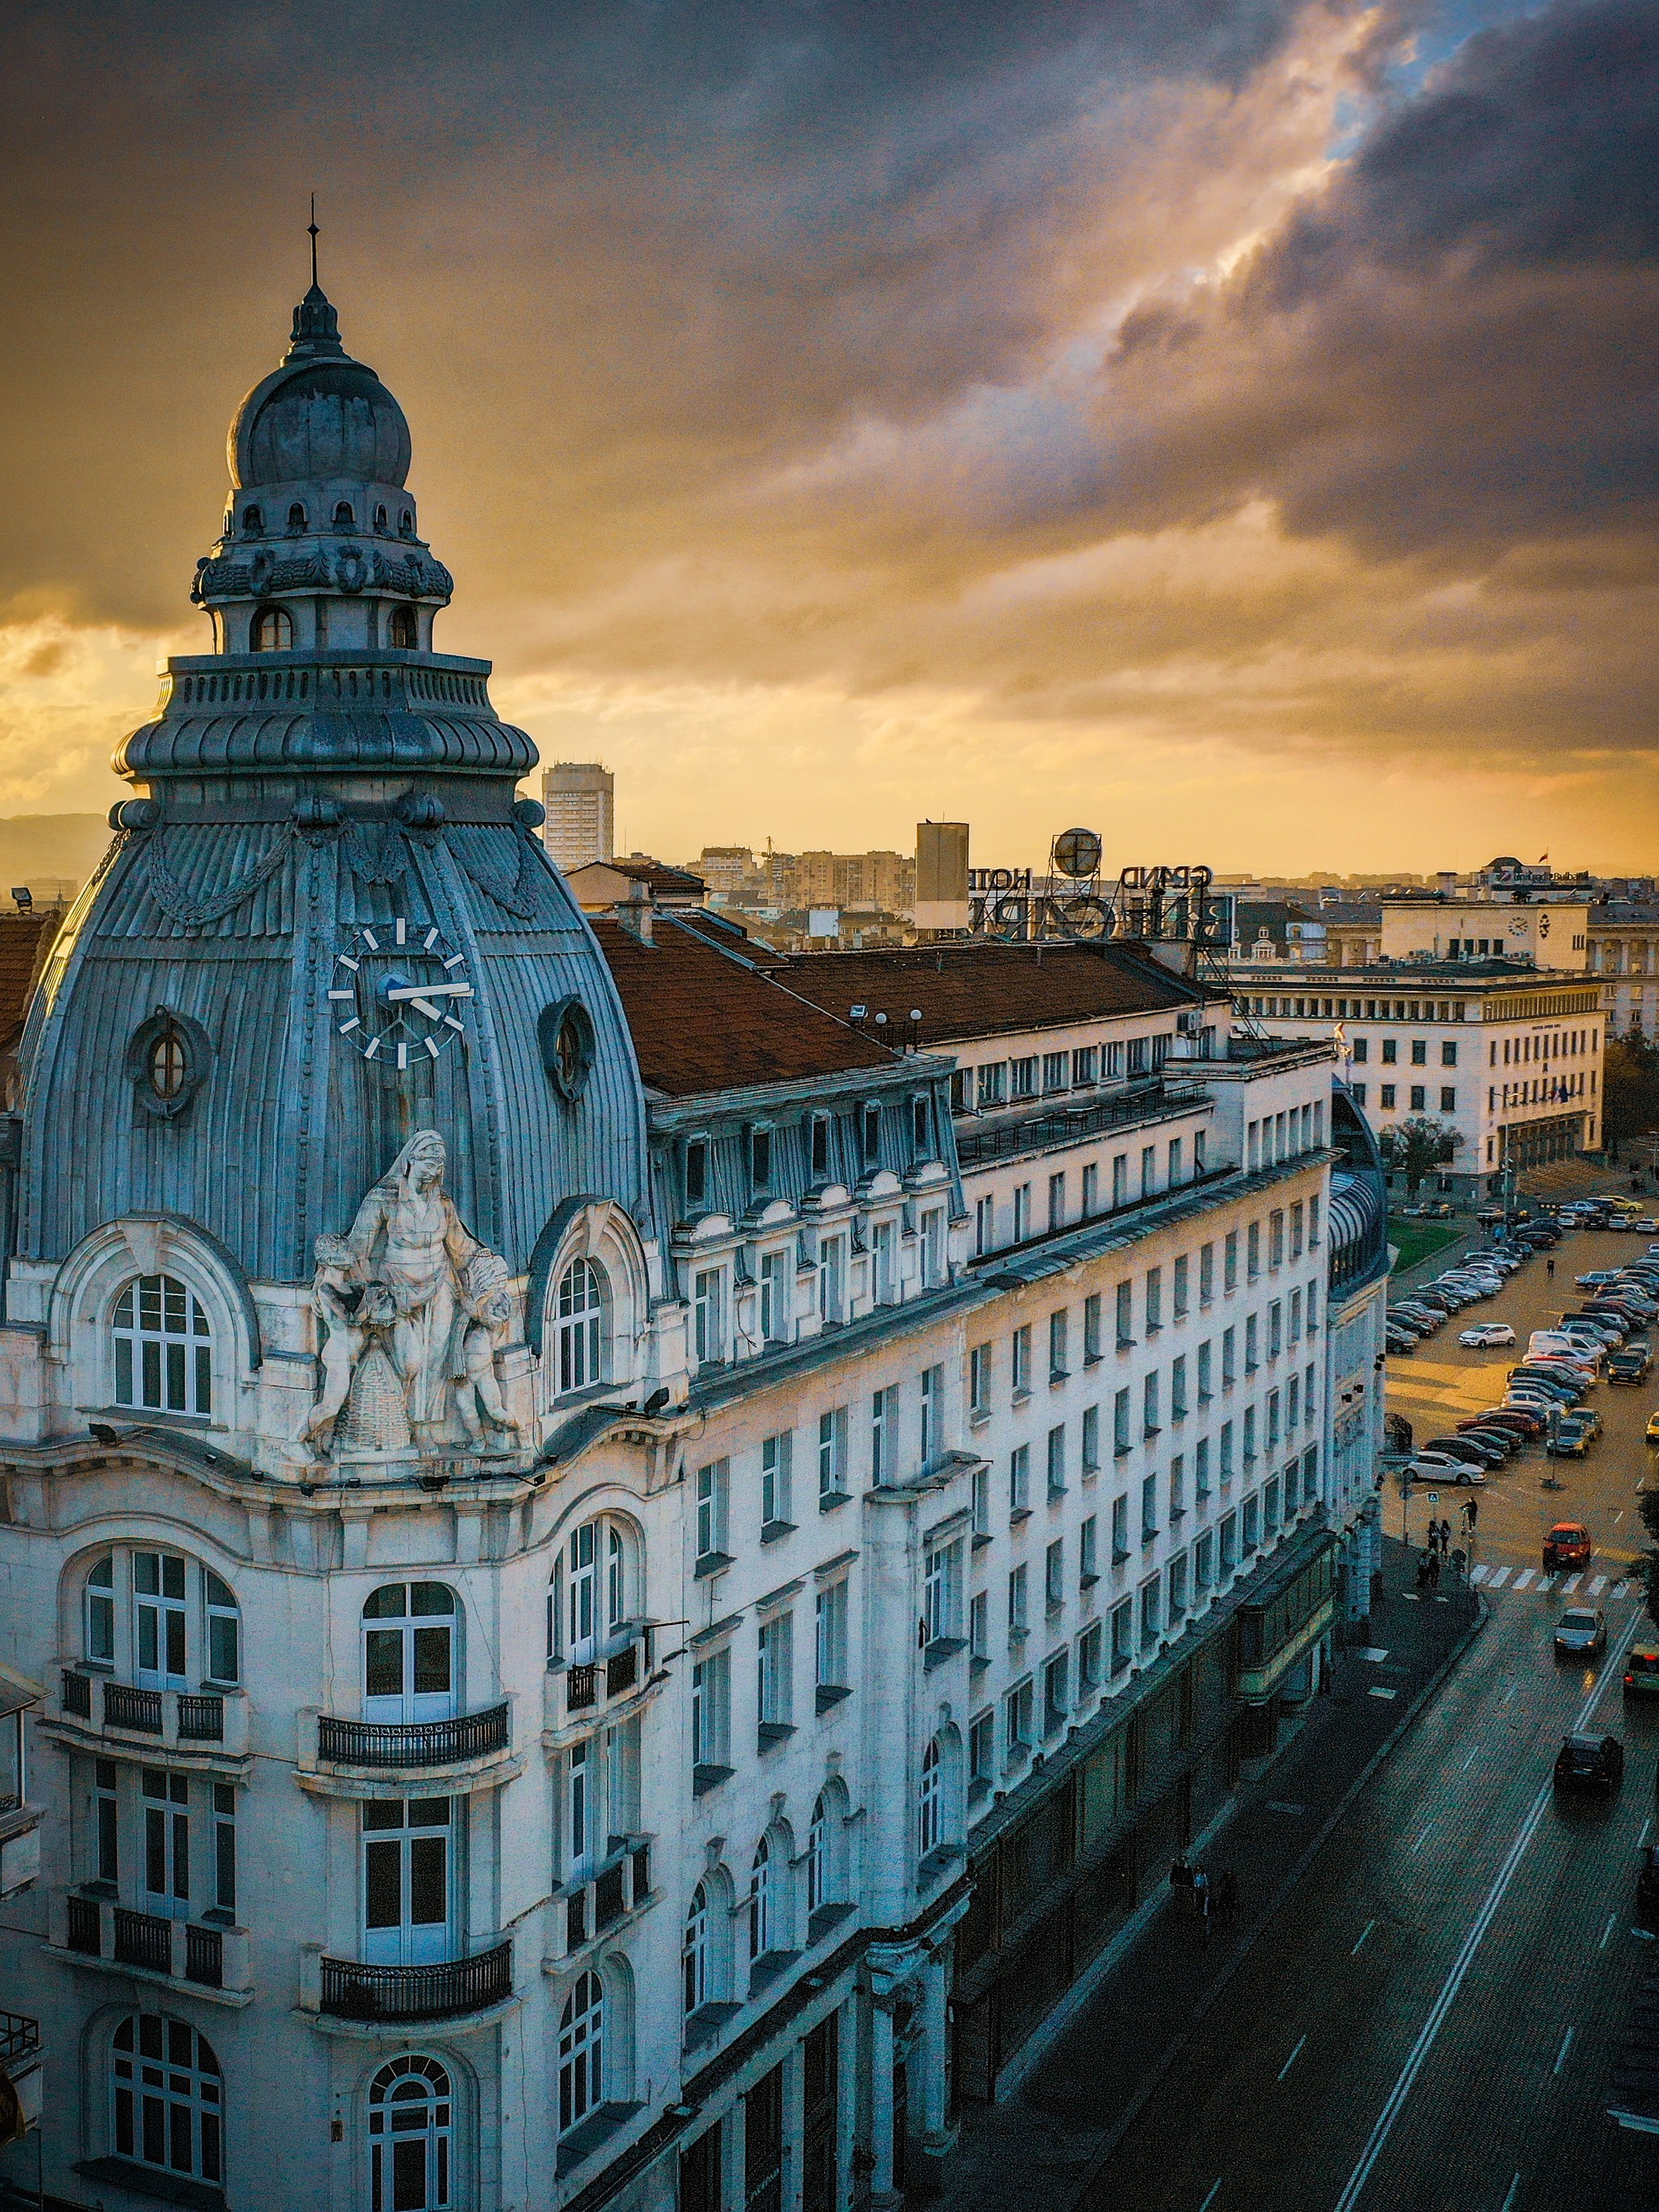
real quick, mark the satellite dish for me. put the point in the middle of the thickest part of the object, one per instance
(1076, 853)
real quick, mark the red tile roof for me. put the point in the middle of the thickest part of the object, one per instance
(25, 941)
(703, 1021)
(984, 989)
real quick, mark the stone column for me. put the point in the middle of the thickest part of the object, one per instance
(884, 2198)
(932, 2050)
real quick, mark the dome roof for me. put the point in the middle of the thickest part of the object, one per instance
(321, 417)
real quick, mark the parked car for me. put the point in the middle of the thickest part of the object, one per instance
(1567, 1442)
(1485, 1334)
(1440, 1466)
(1629, 1366)
(1642, 1670)
(1516, 1418)
(1581, 1632)
(1585, 1418)
(1399, 1342)
(1510, 1440)
(1595, 1277)
(1467, 1446)
(1567, 1545)
(1593, 1765)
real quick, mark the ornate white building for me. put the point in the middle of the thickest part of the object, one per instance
(597, 1543)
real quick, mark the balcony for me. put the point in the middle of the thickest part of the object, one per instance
(401, 1745)
(211, 1957)
(391, 1994)
(577, 1693)
(89, 1705)
(594, 1904)
(1065, 1125)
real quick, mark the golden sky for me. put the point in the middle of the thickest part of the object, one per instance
(1230, 423)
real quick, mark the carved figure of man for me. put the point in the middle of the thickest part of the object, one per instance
(333, 1298)
(487, 1308)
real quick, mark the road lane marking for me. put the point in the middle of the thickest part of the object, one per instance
(1618, 1516)
(1641, 1841)
(1613, 1921)
(1514, 2187)
(1301, 2043)
(1423, 1838)
(1522, 1580)
(1214, 2186)
(1441, 2008)
(1376, 1692)
(1363, 1933)
(1470, 1760)
(1561, 2054)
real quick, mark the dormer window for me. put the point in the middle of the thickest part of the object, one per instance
(405, 524)
(760, 1158)
(400, 630)
(820, 1145)
(253, 521)
(870, 1131)
(921, 1123)
(697, 1171)
(273, 630)
(343, 517)
(380, 517)
(296, 516)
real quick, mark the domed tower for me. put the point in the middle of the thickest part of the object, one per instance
(325, 922)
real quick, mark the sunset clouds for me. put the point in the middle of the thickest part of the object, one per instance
(1205, 420)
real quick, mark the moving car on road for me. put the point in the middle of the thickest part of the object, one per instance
(1581, 1632)
(1487, 1333)
(1567, 1545)
(1591, 1765)
(1642, 1671)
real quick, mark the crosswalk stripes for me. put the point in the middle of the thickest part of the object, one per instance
(1528, 1580)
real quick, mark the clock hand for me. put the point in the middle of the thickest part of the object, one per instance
(419, 991)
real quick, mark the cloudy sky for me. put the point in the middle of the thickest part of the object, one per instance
(1230, 423)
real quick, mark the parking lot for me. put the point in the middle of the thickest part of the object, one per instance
(1442, 1383)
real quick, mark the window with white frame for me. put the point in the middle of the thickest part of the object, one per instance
(775, 1672)
(581, 2051)
(711, 1714)
(932, 1246)
(832, 1280)
(933, 1408)
(713, 1485)
(167, 2098)
(580, 1326)
(884, 1434)
(777, 1468)
(776, 1304)
(883, 1276)
(411, 2107)
(762, 1901)
(163, 1347)
(830, 1638)
(930, 1800)
(708, 1315)
(590, 1593)
(832, 1455)
(695, 1951)
(184, 1625)
(941, 1591)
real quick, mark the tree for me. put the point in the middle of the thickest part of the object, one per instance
(1417, 1146)
(1630, 1090)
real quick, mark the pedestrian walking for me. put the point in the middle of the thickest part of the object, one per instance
(1445, 1536)
(1470, 1513)
(1549, 1267)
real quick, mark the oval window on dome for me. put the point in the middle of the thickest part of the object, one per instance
(273, 630)
(565, 1033)
(400, 630)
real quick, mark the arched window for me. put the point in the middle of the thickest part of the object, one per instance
(405, 524)
(400, 630)
(581, 2051)
(163, 1347)
(410, 2126)
(296, 516)
(930, 1799)
(380, 517)
(167, 2097)
(694, 1951)
(581, 1326)
(591, 1596)
(817, 1846)
(185, 1624)
(98, 1603)
(762, 1901)
(343, 517)
(253, 520)
(273, 630)
(410, 1669)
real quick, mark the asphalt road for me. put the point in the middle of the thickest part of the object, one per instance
(1428, 2024)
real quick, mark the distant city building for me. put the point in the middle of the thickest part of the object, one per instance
(580, 799)
(1624, 951)
(604, 883)
(941, 894)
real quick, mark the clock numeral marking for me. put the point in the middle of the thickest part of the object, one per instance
(346, 1028)
(374, 1044)
(342, 994)
(431, 939)
(371, 941)
(431, 1044)
(454, 961)
(403, 1055)
(450, 1022)
(346, 961)
(402, 930)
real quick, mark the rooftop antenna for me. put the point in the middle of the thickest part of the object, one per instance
(312, 226)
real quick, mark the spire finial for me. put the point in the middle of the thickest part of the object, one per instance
(312, 226)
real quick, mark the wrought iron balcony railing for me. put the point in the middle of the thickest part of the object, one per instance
(351, 1991)
(412, 1743)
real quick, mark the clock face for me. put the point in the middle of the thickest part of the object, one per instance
(397, 993)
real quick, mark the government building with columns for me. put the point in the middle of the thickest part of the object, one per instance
(626, 1557)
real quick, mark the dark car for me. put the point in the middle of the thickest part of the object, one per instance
(1581, 1632)
(1592, 1764)
(1567, 1545)
(1647, 1887)
(1642, 1671)
(1507, 1440)
(1469, 1447)
(1629, 1366)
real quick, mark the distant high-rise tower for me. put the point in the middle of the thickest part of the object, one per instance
(580, 799)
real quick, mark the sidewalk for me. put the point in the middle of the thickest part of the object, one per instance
(1037, 2147)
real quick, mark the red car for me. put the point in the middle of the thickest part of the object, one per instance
(1567, 1545)
(1506, 1417)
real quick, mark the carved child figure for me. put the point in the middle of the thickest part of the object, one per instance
(334, 1299)
(487, 1308)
